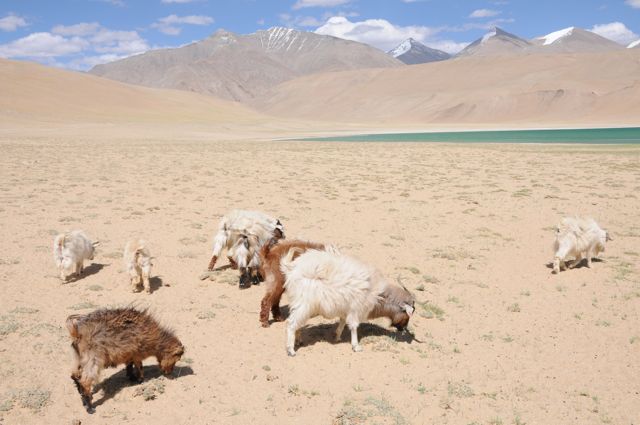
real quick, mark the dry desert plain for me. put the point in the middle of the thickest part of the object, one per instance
(468, 228)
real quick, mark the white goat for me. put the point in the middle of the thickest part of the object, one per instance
(577, 238)
(70, 250)
(243, 233)
(137, 260)
(330, 284)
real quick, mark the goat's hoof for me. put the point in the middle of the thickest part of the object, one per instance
(291, 353)
(357, 348)
(264, 324)
(90, 410)
(278, 319)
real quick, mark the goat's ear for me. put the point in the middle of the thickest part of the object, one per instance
(409, 309)
(96, 243)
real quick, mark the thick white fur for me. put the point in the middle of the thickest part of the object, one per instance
(234, 229)
(577, 238)
(70, 250)
(137, 260)
(330, 284)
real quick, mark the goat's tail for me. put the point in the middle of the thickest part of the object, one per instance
(72, 325)
(286, 264)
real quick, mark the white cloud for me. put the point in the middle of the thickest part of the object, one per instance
(114, 2)
(319, 3)
(633, 3)
(42, 45)
(383, 34)
(12, 22)
(171, 25)
(616, 31)
(451, 47)
(299, 21)
(484, 13)
(81, 29)
(81, 45)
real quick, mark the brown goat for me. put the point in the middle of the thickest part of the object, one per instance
(110, 337)
(270, 255)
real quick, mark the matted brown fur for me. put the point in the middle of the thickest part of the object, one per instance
(111, 337)
(390, 305)
(270, 256)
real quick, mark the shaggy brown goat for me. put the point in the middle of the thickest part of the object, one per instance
(270, 255)
(110, 337)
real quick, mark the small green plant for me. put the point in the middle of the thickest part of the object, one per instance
(514, 308)
(429, 311)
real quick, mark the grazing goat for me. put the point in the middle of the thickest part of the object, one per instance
(110, 337)
(243, 233)
(331, 284)
(137, 260)
(70, 250)
(271, 255)
(578, 238)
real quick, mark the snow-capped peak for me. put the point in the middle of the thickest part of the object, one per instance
(556, 35)
(403, 48)
(489, 35)
(634, 44)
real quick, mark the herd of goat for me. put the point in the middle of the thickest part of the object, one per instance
(319, 281)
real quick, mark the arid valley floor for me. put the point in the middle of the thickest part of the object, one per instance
(467, 228)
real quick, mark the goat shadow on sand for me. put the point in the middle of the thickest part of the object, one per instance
(119, 380)
(156, 283)
(582, 263)
(90, 270)
(312, 335)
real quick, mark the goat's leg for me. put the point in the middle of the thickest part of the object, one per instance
(135, 282)
(340, 329)
(90, 373)
(146, 271)
(137, 364)
(275, 304)
(265, 304)
(296, 320)
(561, 254)
(353, 326)
(212, 262)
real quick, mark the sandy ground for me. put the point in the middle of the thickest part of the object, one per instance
(467, 228)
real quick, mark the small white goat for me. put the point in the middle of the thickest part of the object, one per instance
(243, 233)
(330, 284)
(577, 238)
(70, 250)
(137, 260)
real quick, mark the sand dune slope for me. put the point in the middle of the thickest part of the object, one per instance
(35, 95)
(536, 89)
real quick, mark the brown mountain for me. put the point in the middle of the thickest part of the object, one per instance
(575, 40)
(496, 43)
(556, 88)
(239, 67)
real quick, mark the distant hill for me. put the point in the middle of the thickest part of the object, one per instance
(524, 88)
(575, 40)
(33, 93)
(413, 52)
(496, 43)
(239, 67)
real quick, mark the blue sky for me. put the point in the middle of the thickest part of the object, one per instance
(78, 34)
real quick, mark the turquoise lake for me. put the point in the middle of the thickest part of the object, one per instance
(593, 136)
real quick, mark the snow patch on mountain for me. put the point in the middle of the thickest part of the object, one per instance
(556, 35)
